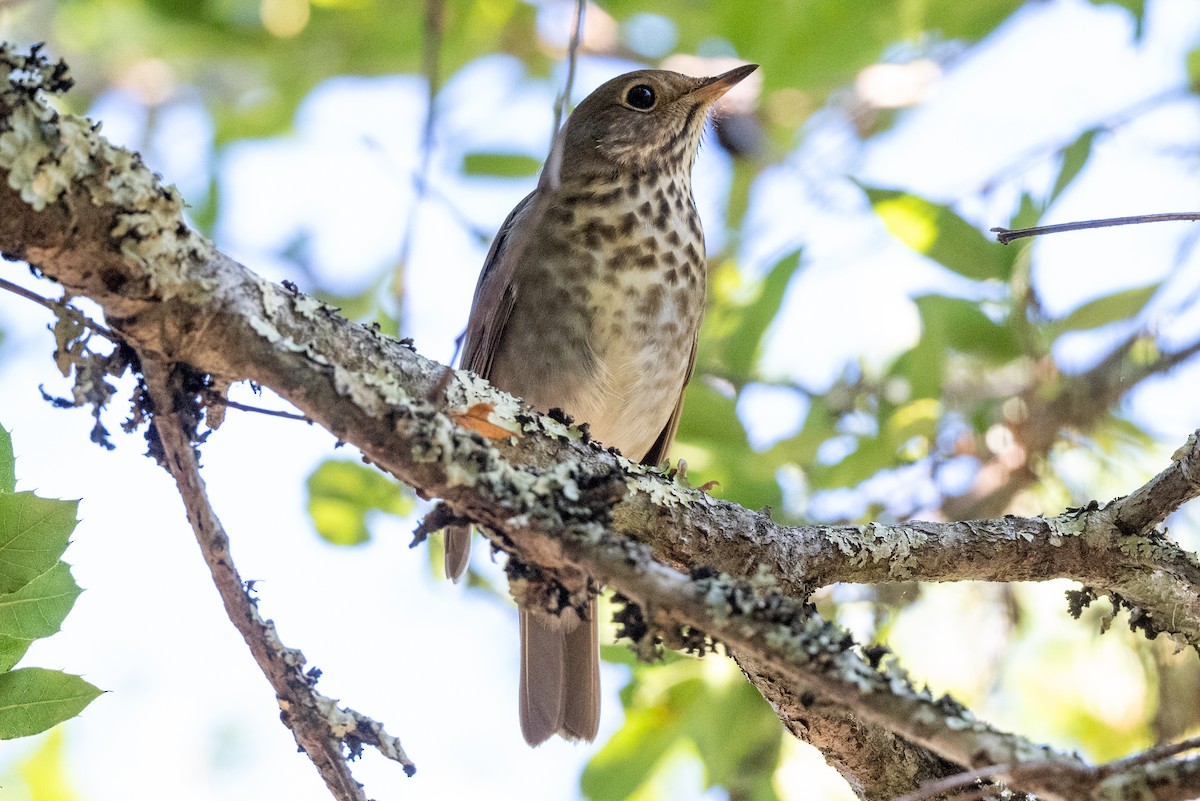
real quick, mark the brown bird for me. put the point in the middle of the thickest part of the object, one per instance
(589, 301)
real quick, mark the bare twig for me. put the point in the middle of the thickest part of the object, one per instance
(322, 729)
(554, 162)
(56, 306)
(957, 782)
(1006, 235)
(1158, 752)
(220, 400)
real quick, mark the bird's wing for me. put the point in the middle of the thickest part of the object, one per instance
(495, 295)
(496, 291)
(658, 451)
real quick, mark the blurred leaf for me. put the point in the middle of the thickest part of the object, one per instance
(1074, 157)
(1108, 309)
(45, 773)
(342, 493)
(818, 45)
(713, 441)
(33, 535)
(628, 759)
(503, 165)
(34, 699)
(1193, 69)
(743, 764)
(937, 232)
(744, 342)
(962, 326)
(8, 462)
(1028, 213)
(1137, 8)
(39, 608)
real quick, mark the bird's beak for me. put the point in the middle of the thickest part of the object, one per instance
(713, 88)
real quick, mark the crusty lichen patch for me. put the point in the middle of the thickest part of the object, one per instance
(48, 158)
(871, 544)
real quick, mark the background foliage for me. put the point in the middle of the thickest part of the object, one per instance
(993, 390)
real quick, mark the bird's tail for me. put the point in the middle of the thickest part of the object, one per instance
(560, 678)
(458, 551)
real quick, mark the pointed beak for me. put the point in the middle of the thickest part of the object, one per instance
(713, 88)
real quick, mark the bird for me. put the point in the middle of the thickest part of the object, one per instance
(590, 301)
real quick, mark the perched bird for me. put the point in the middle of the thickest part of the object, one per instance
(589, 301)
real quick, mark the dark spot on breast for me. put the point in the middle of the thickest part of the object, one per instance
(646, 261)
(652, 302)
(628, 221)
(692, 255)
(671, 276)
(650, 243)
(670, 259)
(673, 239)
(645, 209)
(604, 198)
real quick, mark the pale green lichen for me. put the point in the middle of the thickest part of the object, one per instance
(1064, 527)
(869, 544)
(661, 491)
(45, 155)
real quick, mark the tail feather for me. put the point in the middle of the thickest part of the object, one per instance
(560, 679)
(458, 551)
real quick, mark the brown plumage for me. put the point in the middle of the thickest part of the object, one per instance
(589, 301)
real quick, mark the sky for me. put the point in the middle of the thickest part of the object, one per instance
(187, 714)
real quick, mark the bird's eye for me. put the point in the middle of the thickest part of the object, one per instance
(640, 97)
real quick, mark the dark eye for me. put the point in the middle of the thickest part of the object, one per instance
(640, 96)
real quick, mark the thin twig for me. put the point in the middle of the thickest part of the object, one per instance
(223, 401)
(1006, 235)
(56, 305)
(430, 65)
(1149, 755)
(959, 781)
(554, 162)
(323, 730)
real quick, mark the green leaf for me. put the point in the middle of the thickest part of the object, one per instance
(38, 609)
(1193, 69)
(743, 764)
(11, 651)
(504, 165)
(1108, 309)
(744, 342)
(1074, 157)
(342, 493)
(962, 326)
(628, 759)
(33, 535)
(940, 234)
(34, 699)
(8, 462)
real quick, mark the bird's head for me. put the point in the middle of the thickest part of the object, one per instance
(644, 120)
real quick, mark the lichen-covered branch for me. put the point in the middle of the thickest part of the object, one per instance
(330, 735)
(93, 218)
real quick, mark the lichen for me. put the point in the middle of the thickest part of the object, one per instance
(47, 155)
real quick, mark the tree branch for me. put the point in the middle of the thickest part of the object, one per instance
(322, 729)
(92, 217)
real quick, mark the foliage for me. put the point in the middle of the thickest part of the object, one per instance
(36, 593)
